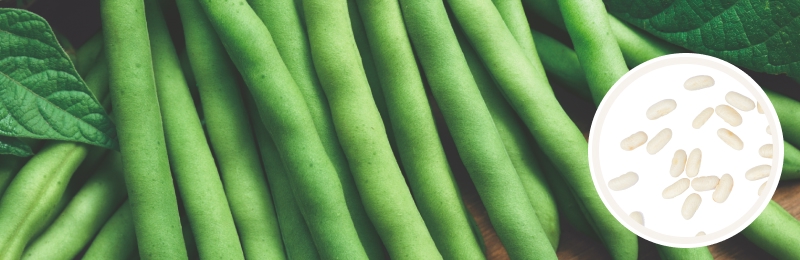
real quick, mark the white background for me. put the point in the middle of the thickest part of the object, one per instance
(627, 116)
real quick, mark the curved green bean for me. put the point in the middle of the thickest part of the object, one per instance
(282, 19)
(518, 145)
(283, 111)
(775, 230)
(360, 129)
(597, 50)
(192, 164)
(525, 85)
(428, 172)
(145, 164)
(296, 236)
(511, 129)
(89, 52)
(477, 140)
(561, 63)
(117, 239)
(9, 166)
(231, 137)
(34, 193)
(84, 216)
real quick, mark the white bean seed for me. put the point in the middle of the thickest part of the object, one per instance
(661, 108)
(676, 188)
(701, 118)
(765, 151)
(763, 189)
(690, 205)
(729, 115)
(705, 183)
(623, 181)
(758, 172)
(659, 141)
(638, 217)
(723, 189)
(678, 163)
(760, 110)
(698, 82)
(730, 138)
(768, 131)
(693, 163)
(701, 233)
(739, 101)
(632, 142)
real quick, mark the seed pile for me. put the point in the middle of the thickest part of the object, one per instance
(721, 186)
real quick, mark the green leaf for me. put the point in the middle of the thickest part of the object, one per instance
(760, 35)
(41, 94)
(14, 146)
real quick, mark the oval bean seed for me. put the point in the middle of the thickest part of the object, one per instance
(723, 188)
(659, 141)
(698, 82)
(762, 189)
(758, 172)
(693, 163)
(705, 183)
(676, 188)
(765, 151)
(661, 108)
(634, 141)
(701, 233)
(690, 206)
(730, 138)
(678, 163)
(623, 181)
(701, 118)
(760, 110)
(739, 101)
(768, 131)
(638, 217)
(729, 115)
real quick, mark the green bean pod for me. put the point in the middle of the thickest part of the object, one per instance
(568, 206)
(525, 85)
(428, 172)
(559, 61)
(512, 131)
(470, 122)
(117, 238)
(190, 156)
(597, 50)
(231, 137)
(88, 53)
(9, 166)
(671, 253)
(360, 129)
(284, 112)
(145, 165)
(84, 216)
(294, 231)
(775, 231)
(282, 19)
(34, 193)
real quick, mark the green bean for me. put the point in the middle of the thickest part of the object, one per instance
(145, 164)
(470, 122)
(525, 85)
(9, 166)
(361, 131)
(283, 111)
(34, 192)
(568, 206)
(559, 61)
(88, 53)
(84, 216)
(511, 130)
(791, 162)
(518, 145)
(775, 230)
(364, 49)
(597, 50)
(117, 239)
(231, 137)
(296, 236)
(190, 156)
(671, 253)
(282, 19)
(429, 175)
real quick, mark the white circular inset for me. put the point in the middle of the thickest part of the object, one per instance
(699, 114)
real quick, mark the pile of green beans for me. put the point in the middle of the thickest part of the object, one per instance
(307, 129)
